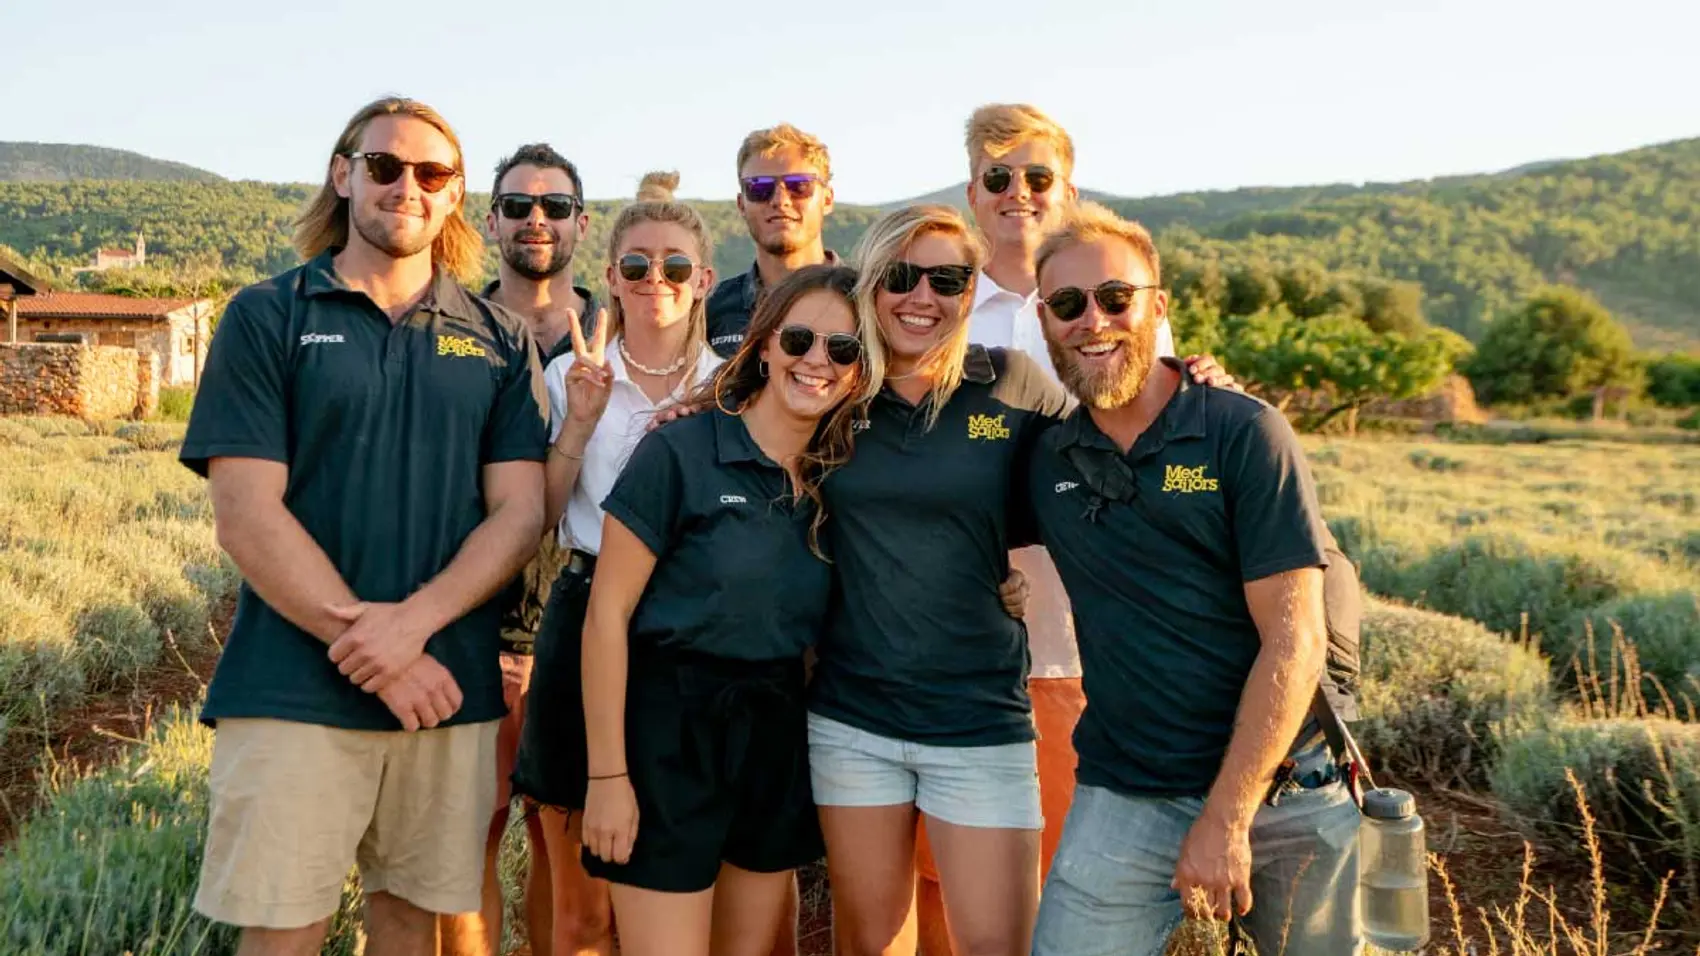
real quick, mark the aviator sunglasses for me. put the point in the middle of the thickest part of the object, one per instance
(841, 347)
(634, 266)
(762, 188)
(948, 280)
(386, 168)
(1114, 297)
(997, 178)
(555, 205)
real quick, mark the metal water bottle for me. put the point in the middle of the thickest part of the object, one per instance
(1393, 871)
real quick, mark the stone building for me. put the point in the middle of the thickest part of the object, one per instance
(175, 331)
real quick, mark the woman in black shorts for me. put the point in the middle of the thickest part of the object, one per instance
(710, 586)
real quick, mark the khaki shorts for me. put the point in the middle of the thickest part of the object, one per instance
(295, 806)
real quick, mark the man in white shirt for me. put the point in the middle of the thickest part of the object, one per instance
(1022, 166)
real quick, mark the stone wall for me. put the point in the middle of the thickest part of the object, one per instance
(81, 381)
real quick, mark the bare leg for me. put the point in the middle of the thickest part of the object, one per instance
(870, 863)
(580, 921)
(395, 927)
(990, 878)
(786, 943)
(750, 909)
(663, 924)
(304, 941)
(539, 898)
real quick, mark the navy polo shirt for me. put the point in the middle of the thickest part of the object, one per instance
(734, 576)
(1155, 548)
(919, 647)
(586, 321)
(731, 306)
(385, 428)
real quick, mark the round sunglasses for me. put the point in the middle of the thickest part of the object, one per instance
(998, 177)
(1113, 297)
(635, 266)
(842, 348)
(386, 168)
(555, 205)
(946, 280)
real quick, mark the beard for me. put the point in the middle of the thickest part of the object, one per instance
(396, 240)
(1119, 383)
(537, 262)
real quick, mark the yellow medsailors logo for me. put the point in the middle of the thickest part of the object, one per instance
(462, 346)
(1186, 480)
(987, 427)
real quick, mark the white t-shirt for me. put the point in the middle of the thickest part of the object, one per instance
(622, 426)
(1005, 319)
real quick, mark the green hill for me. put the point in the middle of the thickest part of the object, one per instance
(57, 162)
(1623, 226)
(957, 196)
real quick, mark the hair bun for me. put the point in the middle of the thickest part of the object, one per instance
(657, 187)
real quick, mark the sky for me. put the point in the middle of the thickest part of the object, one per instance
(1159, 97)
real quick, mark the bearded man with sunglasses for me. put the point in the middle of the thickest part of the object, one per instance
(784, 195)
(1184, 522)
(374, 447)
(1021, 164)
(537, 218)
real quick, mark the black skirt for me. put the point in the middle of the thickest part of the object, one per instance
(552, 765)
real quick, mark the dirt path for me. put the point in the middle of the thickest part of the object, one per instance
(100, 728)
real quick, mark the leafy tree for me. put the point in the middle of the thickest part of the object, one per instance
(1560, 344)
(1674, 380)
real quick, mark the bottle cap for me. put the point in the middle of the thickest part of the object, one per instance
(1386, 803)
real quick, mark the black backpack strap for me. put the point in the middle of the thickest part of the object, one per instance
(1343, 745)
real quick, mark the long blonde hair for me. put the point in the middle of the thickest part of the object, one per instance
(323, 223)
(656, 204)
(883, 244)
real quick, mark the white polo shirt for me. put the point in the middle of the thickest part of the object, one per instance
(1005, 319)
(622, 426)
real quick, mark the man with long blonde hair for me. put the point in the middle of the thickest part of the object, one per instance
(374, 447)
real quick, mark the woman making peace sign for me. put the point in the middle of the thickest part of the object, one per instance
(647, 353)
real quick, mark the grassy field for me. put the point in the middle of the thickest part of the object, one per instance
(1492, 564)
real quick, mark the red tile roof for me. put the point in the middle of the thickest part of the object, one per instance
(91, 305)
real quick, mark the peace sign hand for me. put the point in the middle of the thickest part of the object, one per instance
(588, 379)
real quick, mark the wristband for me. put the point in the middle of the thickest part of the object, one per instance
(611, 776)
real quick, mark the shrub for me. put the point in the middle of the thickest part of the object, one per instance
(1665, 631)
(150, 437)
(175, 404)
(111, 863)
(1435, 687)
(1496, 579)
(1642, 780)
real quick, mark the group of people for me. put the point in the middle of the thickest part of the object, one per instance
(935, 562)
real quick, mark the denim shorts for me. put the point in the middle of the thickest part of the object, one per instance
(995, 786)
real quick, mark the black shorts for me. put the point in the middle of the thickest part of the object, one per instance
(718, 753)
(551, 765)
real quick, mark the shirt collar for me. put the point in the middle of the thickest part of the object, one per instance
(753, 285)
(444, 295)
(707, 362)
(987, 288)
(1181, 418)
(733, 443)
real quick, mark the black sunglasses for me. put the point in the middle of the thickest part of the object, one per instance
(555, 205)
(386, 168)
(634, 267)
(841, 347)
(997, 178)
(1114, 297)
(949, 280)
(762, 188)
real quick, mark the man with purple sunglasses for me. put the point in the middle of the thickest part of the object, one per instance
(784, 194)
